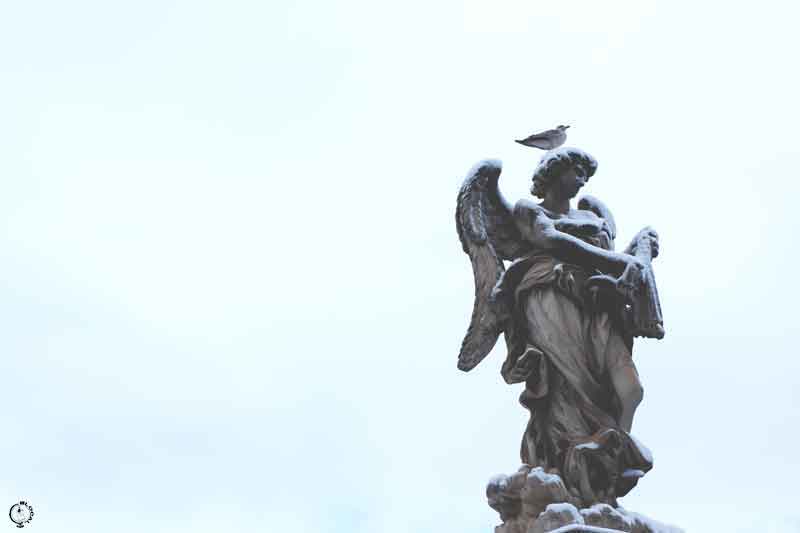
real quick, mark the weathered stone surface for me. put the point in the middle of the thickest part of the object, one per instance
(503, 494)
(555, 516)
(534, 501)
(603, 515)
(643, 524)
(540, 490)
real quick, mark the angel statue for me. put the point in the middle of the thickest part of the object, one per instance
(569, 307)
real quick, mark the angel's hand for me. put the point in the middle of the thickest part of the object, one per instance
(633, 275)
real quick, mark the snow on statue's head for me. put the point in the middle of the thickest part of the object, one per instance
(555, 162)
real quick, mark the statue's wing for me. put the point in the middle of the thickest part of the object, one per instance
(488, 235)
(590, 203)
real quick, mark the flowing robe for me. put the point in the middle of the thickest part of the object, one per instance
(567, 346)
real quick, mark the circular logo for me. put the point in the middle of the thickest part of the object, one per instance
(21, 513)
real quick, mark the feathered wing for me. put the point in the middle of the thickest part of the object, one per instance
(590, 203)
(488, 235)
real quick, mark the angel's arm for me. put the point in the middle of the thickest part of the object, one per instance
(538, 229)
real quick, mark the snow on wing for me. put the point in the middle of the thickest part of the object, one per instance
(488, 235)
(590, 203)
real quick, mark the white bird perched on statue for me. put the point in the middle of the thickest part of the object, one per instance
(547, 140)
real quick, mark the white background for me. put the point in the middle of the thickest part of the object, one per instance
(232, 292)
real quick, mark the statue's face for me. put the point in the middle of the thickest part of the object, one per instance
(570, 182)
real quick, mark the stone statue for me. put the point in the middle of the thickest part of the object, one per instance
(569, 307)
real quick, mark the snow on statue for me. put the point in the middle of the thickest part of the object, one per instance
(569, 307)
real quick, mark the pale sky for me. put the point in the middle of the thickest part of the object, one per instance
(232, 290)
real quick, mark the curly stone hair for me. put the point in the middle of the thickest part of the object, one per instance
(555, 162)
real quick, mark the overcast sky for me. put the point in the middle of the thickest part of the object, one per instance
(232, 291)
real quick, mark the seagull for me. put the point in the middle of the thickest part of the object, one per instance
(547, 140)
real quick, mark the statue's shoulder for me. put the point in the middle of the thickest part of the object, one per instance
(527, 208)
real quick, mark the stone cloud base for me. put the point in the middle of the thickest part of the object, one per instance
(534, 501)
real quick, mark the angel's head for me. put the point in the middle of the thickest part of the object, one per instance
(556, 163)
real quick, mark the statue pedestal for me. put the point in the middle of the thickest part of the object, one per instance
(534, 501)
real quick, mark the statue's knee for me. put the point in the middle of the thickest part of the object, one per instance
(637, 393)
(632, 395)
